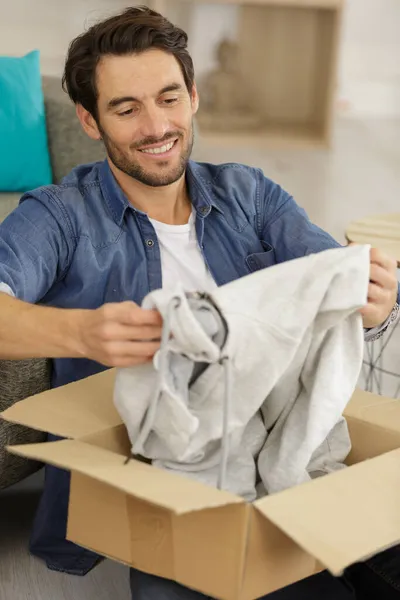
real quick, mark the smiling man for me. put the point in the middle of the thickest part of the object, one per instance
(144, 115)
(77, 259)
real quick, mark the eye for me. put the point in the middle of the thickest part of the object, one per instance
(170, 101)
(125, 112)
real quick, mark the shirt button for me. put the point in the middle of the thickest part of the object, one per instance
(150, 243)
(204, 210)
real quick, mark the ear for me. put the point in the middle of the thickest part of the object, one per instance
(88, 123)
(194, 98)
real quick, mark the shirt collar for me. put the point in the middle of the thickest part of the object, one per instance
(115, 198)
(199, 190)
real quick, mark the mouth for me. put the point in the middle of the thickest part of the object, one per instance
(162, 150)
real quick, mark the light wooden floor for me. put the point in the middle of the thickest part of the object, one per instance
(358, 177)
(23, 577)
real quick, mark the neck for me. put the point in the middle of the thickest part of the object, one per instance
(168, 204)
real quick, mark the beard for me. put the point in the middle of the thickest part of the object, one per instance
(130, 167)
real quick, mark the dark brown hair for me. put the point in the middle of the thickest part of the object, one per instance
(135, 30)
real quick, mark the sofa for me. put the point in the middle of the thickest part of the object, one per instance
(68, 146)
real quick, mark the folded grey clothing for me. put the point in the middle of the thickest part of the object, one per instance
(254, 377)
(240, 471)
(159, 415)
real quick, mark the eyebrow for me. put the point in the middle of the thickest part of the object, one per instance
(114, 102)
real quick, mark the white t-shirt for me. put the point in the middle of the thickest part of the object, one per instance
(181, 258)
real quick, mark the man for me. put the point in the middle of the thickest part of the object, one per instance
(77, 259)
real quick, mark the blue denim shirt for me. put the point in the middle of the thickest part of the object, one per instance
(81, 244)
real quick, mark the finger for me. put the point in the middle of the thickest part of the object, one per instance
(122, 362)
(376, 294)
(120, 332)
(370, 317)
(371, 313)
(149, 317)
(382, 277)
(384, 260)
(131, 314)
(140, 316)
(142, 350)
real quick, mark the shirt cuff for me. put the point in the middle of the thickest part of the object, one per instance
(370, 335)
(6, 289)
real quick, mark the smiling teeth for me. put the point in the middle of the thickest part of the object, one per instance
(165, 148)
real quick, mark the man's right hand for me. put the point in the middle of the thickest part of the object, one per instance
(120, 335)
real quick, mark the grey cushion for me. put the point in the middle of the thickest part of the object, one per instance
(18, 380)
(8, 201)
(69, 145)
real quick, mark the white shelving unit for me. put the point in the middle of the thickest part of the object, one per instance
(288, 62)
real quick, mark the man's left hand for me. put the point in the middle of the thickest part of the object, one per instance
(382, 290)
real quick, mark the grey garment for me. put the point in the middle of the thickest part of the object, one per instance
(164, 420)
(238, 472)
(194, 334)
(299, 372)
(294, 411)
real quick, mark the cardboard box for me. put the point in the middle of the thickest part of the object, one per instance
(207, 539)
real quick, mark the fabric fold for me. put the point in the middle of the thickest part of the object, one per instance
(293, 339)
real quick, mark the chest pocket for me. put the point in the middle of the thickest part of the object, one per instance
(261, 260)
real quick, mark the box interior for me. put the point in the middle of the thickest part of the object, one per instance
(149, 518)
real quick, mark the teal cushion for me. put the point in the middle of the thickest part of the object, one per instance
(24, 155)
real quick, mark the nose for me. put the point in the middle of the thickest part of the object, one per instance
(153, 122)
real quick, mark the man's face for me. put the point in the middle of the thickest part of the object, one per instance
(145, 115)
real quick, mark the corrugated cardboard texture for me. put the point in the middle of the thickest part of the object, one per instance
(98, 517)
(151, 538)
(345, 517)
(206, 539)
(374, 408)
(374, 425)
(154, 540)
(71, 411)
(145, 482)
(273, 560)
(212, 542)
(115, 439)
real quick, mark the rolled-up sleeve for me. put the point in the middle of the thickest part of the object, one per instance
(36, 246)
(286, 226)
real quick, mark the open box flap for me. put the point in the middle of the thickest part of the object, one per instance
(156, 486)
(371, 408)
(72, 411)
(344, 517)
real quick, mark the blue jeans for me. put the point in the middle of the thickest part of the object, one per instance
(322, 587)
(376, 579)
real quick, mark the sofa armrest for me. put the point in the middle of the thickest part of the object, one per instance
(19, 379)
(69, 145)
